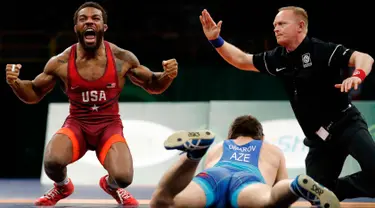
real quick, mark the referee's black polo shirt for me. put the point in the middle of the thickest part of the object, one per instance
(309, 74)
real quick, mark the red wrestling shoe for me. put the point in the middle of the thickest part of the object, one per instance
(122, 196)
(51, 197)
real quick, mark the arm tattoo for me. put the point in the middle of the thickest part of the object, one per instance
(62, 61)
(133, 72)
(118, 66)
(17, 84)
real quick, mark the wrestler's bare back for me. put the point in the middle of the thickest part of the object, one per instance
(89, 68)
(271, 160)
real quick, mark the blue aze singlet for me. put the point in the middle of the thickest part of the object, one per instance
(241, 157)
(236, 169)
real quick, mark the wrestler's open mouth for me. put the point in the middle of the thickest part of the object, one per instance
(89, 35)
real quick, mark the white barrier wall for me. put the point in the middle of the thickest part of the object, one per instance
(146, 125)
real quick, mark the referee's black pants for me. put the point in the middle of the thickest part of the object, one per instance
(324, 162)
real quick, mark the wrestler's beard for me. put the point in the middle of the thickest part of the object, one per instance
(91, 48)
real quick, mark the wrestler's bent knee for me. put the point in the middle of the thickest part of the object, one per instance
(53, 162)
(160, 202)
(122, 178)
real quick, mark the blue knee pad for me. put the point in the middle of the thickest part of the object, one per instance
(239, 181)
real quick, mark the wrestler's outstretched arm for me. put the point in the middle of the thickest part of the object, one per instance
(152, 82)
(32, 91)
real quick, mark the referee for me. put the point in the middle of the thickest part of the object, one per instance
(310, 70)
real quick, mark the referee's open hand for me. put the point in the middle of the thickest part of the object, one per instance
(349, 83)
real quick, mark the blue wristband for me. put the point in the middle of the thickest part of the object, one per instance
(218, 42)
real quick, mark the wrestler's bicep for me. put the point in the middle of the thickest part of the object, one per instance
(45, 81)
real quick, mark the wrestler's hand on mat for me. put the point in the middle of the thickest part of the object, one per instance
(12, 72)
(210, 28)
(170, 68)
(349, 83)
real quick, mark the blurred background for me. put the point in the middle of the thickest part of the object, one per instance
(208, 92)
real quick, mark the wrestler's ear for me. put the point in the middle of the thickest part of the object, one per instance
(105, 27)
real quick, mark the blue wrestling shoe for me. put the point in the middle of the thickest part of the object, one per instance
(305, 187)
(194, 143)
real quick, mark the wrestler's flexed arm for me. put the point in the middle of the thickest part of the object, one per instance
(32, 91)
(152, 82)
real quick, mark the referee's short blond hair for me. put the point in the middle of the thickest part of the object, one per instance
(299, 12)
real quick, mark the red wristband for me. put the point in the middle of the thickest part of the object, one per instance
(359, 73)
